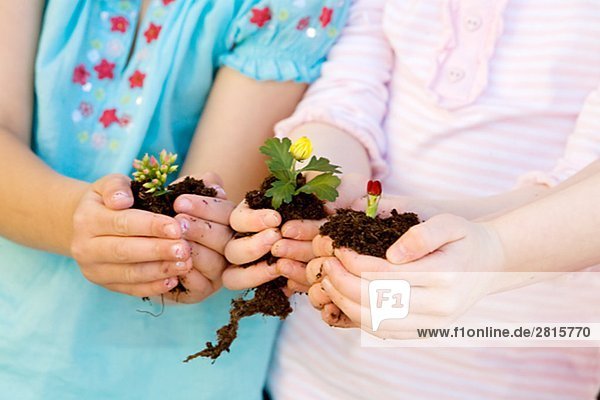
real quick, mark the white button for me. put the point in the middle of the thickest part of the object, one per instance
(455, 74)
(473, 22)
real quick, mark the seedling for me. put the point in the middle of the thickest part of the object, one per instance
(283, 161)
(153, 173)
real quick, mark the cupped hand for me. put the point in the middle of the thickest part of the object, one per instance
(204, 223)
(438, 258)
(291, 244)
(127, 251)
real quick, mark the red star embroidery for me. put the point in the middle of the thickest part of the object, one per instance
(152, 32)
(81, 75)
(86, 109)
(105, 70)
(109, 117)
(303, 23)
(119, 24)
(167, 2)
(137, 79)
(260, 17)
(325, 17)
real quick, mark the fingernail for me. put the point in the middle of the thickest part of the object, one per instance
(178, 251)
(284, 268)
(181, 266)
(270, 220)
(326, 284)
(119, 195)
(184, 205)
(272, 270)
(171, 282)
(220, 191)
(396, 254)
(326, 266)
(278, 250)
(291, 232)
(271, 237)
(185, 225)
(171, 231)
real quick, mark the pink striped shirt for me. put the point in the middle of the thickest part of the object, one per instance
(453, 98)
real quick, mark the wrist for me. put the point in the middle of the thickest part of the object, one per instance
(67, 195)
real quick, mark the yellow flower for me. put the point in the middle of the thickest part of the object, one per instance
(301, 149)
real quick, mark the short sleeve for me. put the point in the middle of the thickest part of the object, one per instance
(284, 40)
(353, 92)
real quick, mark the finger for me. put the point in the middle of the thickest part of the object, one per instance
(419, 273)
(210, 234)
(109, 249)
(315, 270)
(351, 309)
(427, 237)
(244, 219)
(215, 181)
(350, 286)
(150, 289)
(198, 288)
(133, 223)
(251, 248)
(238, 278)
(136, 273)
(115, 190)
(293, 270)
(333, 316)
(317, 296)
(322, 246)
(293, 249)
(295, 287)
(301, 229)
(208, 262)
(207, 208)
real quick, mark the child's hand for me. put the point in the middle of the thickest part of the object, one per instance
(292, 244)
(433, 253)
(128, 251)
(204, 222)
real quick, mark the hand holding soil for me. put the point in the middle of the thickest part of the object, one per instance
(127, 251)
(435, 253)
(287, 191)
(202, 214)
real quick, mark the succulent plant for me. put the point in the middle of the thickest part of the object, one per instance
(153, 173)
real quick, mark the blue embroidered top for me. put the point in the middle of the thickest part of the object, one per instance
(105, 97)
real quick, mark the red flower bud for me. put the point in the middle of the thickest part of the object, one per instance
(374, 188)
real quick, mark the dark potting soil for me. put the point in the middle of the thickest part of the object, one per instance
(163, 204)
(366, 235)
(268, 298)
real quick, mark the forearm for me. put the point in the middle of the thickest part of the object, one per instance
(238, 118)
(491, 206)
(338, 146)
(36, 203)
(556, 233)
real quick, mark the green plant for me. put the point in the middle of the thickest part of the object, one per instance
(282, 162)
(153, 173)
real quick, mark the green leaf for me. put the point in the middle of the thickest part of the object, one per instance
(323, 186)
(281, 192)
(280, 160)
(321, 165)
